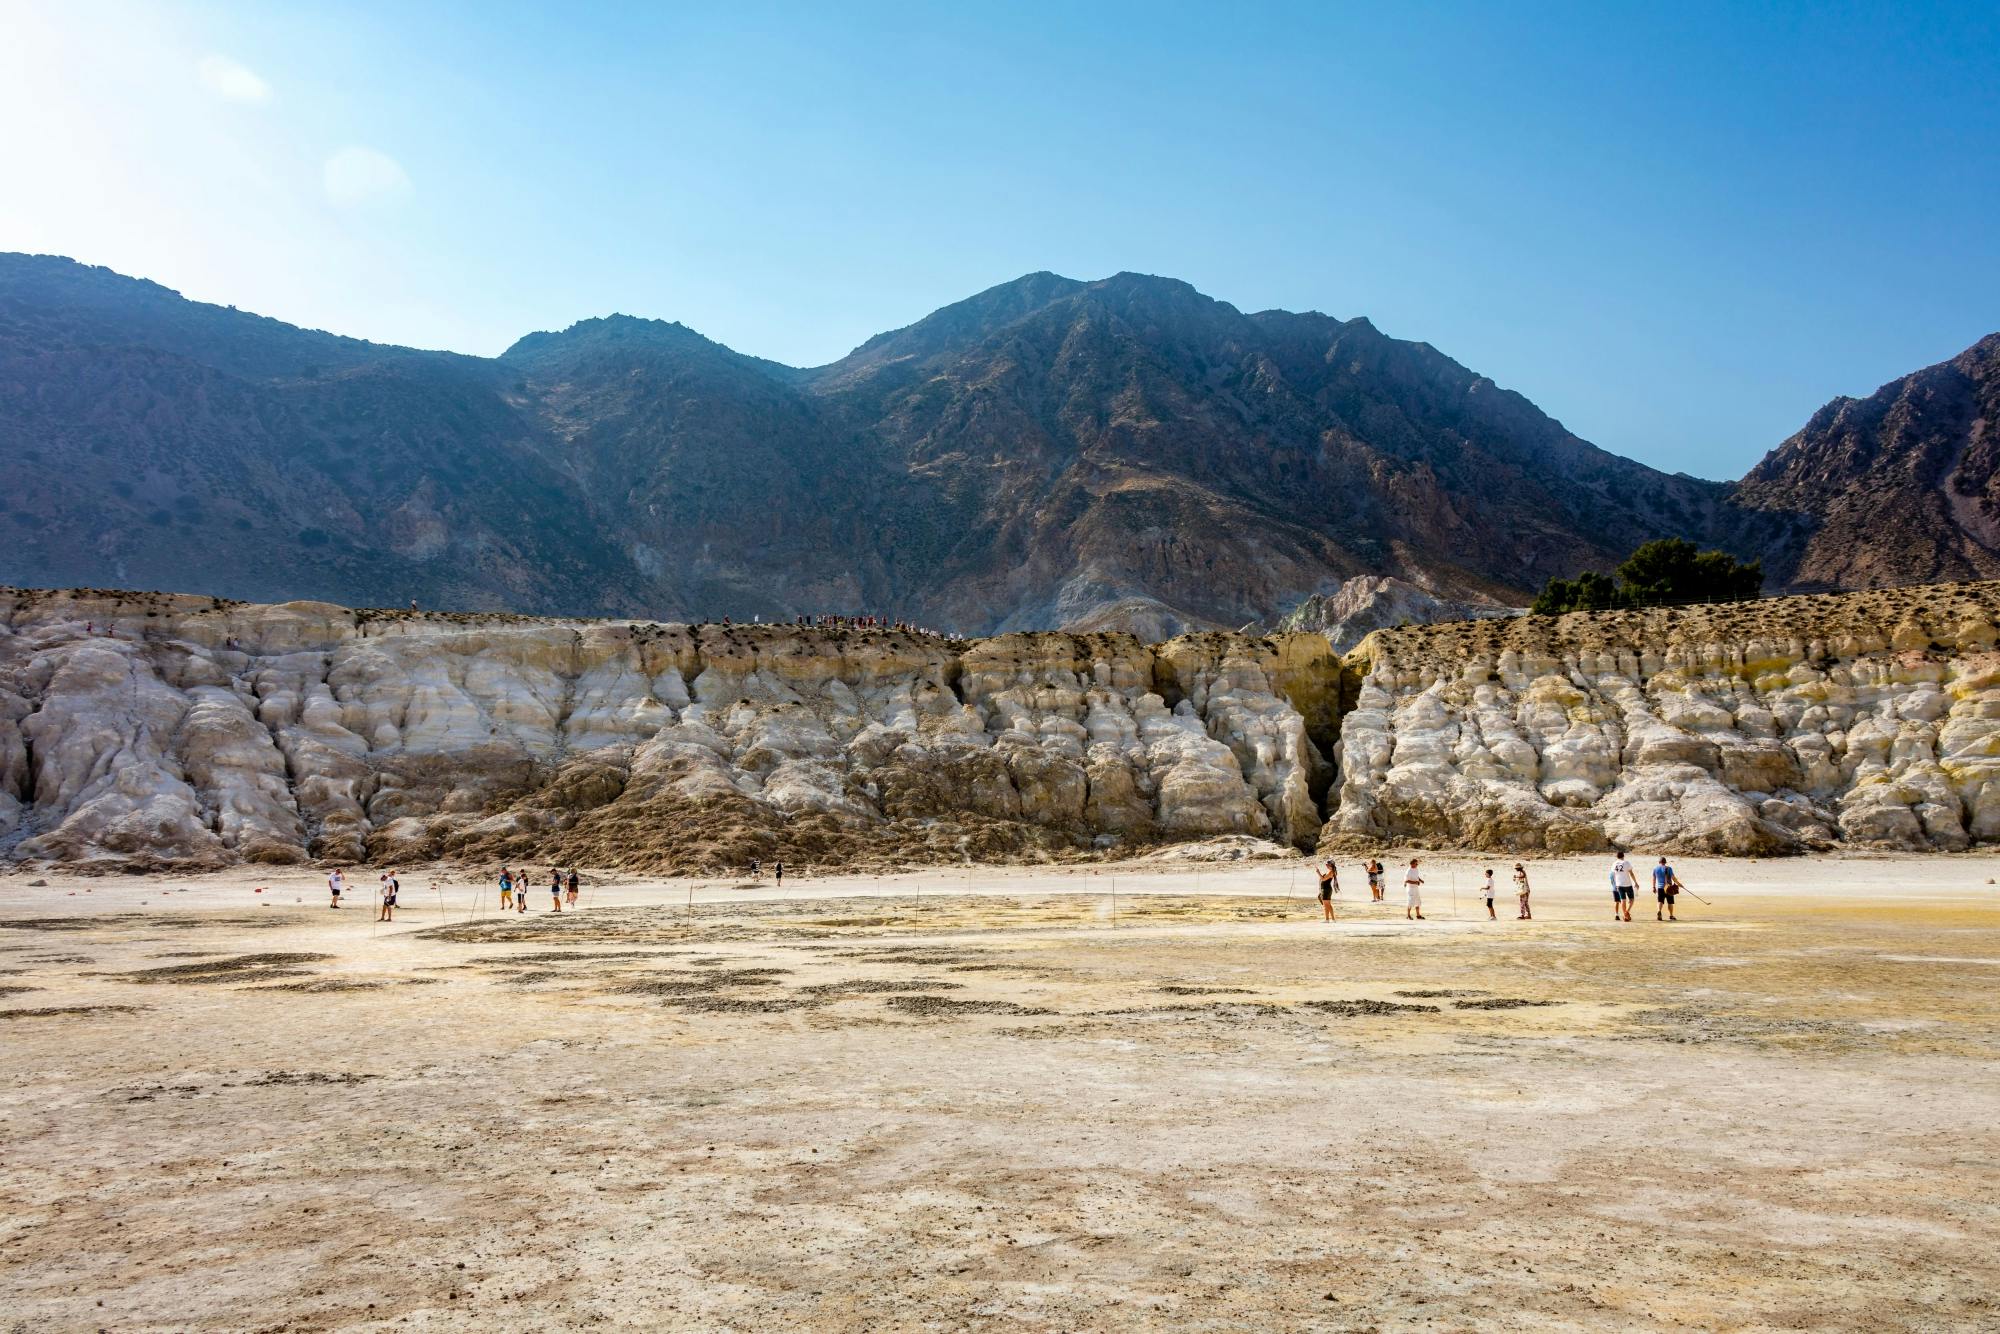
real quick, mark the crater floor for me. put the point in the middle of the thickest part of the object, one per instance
(1129, 1096)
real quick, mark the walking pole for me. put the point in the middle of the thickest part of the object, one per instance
(690, 898)
(1454, 892)
(438, 889)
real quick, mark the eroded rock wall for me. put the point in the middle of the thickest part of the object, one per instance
(1791, 724)
(141, 730)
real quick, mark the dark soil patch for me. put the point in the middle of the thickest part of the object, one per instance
(1354, 1009)
(1498, 1003)
(949, 1007)
(695, 984)
(290, 1077)
(15, 991)
(1435, 994)
(568, 956)
(1171, 990)
(58, 1011)
(742, 1004)
(864, 987)
(234, 968)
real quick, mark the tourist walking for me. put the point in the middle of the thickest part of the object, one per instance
(1521, 892)
(1624, 888)
(1329, 885)
(1488, 891)
(389, 887)
(506, 889)
(1665, 886)
(335, 882)
(778, 868)
(1413, 901)
(1374, 881)
(555, 888)
(573, 884)
(521, 892)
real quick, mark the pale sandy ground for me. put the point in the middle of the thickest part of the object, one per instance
(885, 1104)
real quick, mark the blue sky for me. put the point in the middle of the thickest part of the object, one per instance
(1677, 228)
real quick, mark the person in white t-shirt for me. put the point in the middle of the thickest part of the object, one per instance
(1624, 888)
(335, 882)
(1413, 884)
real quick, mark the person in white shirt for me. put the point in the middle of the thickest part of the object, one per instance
(335, 882)
(1489, 894)
(1413, 883)
(1624, 888)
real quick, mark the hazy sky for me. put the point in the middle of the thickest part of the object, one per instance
(1677, 228)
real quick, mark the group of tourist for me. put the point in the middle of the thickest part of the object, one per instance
(385, 907)
(1624, 889)
(514, 889)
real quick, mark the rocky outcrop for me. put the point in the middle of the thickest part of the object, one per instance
(1370, 602)
(1792, 724)
(1895, 488)
(151, 730)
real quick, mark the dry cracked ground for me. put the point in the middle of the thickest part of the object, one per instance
(845, 1106)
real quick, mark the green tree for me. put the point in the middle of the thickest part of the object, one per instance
(1668, 570)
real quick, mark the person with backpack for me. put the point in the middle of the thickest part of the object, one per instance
(506, 889)
(1374, 881)
(1521, 892)
(389, 887)
(1666, 885)
(574, 882)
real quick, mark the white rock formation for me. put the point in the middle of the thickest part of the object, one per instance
(1869, 719)
(142, 730)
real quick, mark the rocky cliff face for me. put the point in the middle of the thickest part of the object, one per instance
(1793, 724)
(1370, 602)
(1895, 488)
(1123, 454)
(153, 730)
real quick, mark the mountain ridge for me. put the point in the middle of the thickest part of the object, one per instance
(1050, 451)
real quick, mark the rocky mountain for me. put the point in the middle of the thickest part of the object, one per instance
(1117, 453)
(1900, 487)
(1125, 454)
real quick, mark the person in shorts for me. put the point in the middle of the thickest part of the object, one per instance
(1488, 891)
(1665, 886)
(573, 883)
(555, 888)
(1374, 881)
(335, 882)
(389, 887)
(1329, 878)
(506, 889)
(1624, 888)
(1413, 886)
